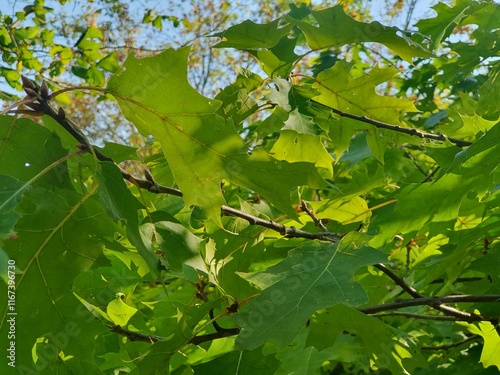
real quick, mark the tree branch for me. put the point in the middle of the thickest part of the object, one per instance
(136, 336)
(451, 311)
(433, 301)
(452, 345)
(289, 232)
(312, 215)
(397, 128)
(417, 316)
(38, 100)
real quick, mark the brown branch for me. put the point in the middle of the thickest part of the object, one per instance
(399, 281)
(414, 161)
(227, 332)
(312, 215)
(136, 336)
(433, 301)
(417, 316)
(410, 131)
(450, 311)
(452, 345)
(289, 232)
(38, 100)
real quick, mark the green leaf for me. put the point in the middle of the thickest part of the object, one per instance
(58, 238)
(122, 205)
(312, 277)
(489, 355)
(159, 355)
(295, 147)
(158, 22)
(110, 63)
(119, 152)
(357, 96)
(11, 76)
(441, 26)
(472, 171)
(297, 359)
(5, 38)
(279, 60)
(26, 33)
(336, 29)
(240, 362)
(28, 148)
(379, 343)
(201, 147)
(177, 242)
(119, 312)
(300, 123)
(338, 89)
(249, 35)
(345, 212)
(236, 100)
(11, 191)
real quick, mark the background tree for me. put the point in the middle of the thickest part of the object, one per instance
(328, 207)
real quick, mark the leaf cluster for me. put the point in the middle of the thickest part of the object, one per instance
(317, 215)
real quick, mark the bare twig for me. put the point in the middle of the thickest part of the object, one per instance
(410, 131)
(312, 215)
(452, 345)
(417, 316)
(433, 301)
(412, 158)
(38, 99)
(436, 304)
(289, 232)
(137, 336)
(431, 174)
(399, 281)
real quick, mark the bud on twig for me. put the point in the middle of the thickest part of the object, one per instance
(27, 83)
(34, 106)
(149, 176)
(44, 90)
(32, 93)
(61, 113)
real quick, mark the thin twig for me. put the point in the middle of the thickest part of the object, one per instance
(450, 311)
(312, 215)
(452, 345)
(289, 232)
(432, 301)
(412, 158)
(137, 336)
(417, 316)
(399, 281)
(40, 103)
(410, 131)
(431, 174)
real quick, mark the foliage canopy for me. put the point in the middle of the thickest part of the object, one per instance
(318, 215)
